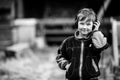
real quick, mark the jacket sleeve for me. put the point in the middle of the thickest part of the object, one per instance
(61, 58)
(99, 40)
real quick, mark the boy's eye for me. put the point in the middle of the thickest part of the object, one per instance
(81, 23)
(88, 24)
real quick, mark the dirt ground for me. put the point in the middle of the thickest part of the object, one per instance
(34, 64)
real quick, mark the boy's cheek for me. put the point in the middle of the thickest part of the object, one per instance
(90, 30)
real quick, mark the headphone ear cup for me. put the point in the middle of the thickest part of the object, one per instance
(93, 24)
(76, 24)
(93, 27)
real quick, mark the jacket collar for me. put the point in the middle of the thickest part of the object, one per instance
(80, 37)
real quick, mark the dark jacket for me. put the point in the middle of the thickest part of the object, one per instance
(70, 52)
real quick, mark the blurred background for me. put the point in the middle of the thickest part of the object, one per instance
(32, 30)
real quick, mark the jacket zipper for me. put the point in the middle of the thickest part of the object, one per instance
(81, 59)
(94, 65)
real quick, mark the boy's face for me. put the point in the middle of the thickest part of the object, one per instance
(85, 26)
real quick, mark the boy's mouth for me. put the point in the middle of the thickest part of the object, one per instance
(84, 30)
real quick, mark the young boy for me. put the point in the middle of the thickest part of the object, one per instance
(79, 55)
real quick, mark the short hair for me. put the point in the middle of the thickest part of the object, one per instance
(85, 13)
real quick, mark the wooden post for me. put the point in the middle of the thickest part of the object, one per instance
(20, 9)
(103, 9)
(12, 10)
(115, 42)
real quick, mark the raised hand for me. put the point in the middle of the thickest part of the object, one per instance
(97, 25)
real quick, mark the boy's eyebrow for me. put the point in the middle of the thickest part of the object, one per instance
(82, 18)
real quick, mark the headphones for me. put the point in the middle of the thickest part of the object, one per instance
(94, 22)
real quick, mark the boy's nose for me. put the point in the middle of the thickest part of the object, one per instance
(84, 26)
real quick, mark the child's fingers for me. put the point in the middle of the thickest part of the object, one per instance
(96, 24)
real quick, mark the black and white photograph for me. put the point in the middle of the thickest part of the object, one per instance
(59, 40)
